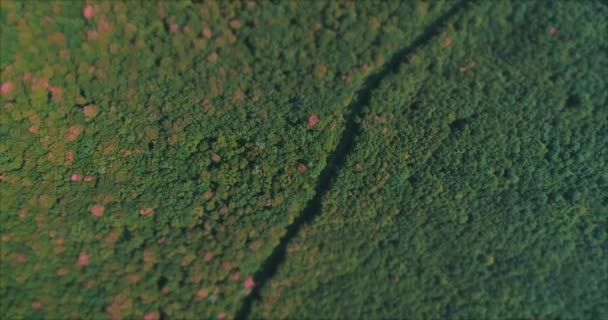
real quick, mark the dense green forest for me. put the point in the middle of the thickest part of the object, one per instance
(478, 187)
(303, 159)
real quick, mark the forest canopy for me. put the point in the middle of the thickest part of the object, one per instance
(303, 159)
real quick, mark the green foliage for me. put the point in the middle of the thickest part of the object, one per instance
(477, 187)
(153, 154)
(149, 150)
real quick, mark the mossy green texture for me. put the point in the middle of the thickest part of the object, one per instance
(153, 152)
(477, 188)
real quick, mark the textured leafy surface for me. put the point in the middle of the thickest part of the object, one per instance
(477, 187)
(154, 154)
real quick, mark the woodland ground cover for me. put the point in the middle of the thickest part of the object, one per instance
(156, 159)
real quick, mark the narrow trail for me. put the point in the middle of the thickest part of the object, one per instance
(337, 158)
